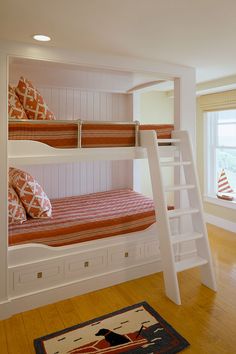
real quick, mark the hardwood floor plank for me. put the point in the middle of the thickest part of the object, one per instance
(16, 336)
(34, 327)
(51, 318)
(68, 313)
(86, 307)
(3, 339)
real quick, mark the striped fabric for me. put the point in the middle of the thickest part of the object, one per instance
(65, 135)
(223, 183)
(59, 135)
(163, 131)
(108, 135)
(87, 217)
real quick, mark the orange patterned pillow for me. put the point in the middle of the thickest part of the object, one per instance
(31, 194)
(16, 211)
(15, 108)
(33, 103)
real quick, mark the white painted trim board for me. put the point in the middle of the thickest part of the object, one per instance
(220, 222)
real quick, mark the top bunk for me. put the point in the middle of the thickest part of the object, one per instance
(52, 141)
(88, 92)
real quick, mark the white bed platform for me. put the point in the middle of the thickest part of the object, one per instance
(39, 273)
(36, 271)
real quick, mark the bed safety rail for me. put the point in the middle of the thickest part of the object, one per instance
(80, 123)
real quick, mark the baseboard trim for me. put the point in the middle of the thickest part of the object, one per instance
(44, 297)
(220, 222)
(5, 309)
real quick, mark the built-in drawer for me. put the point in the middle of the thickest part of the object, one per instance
(29, 278)
(88, 263)
(125, 255)
(152, 249)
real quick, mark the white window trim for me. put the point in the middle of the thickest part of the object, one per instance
(208, 197)
(220, 202)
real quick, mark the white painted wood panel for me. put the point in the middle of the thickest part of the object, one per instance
(85, 177)
(74, 103)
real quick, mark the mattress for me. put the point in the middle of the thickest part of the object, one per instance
(87, 217)
(65, 135)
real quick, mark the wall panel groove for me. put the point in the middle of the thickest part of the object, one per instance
(85, 177)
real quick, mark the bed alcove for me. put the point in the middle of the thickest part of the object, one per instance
(100, 85)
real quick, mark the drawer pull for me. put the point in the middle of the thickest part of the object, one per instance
(39, 275)
(86, 264)
(126, 254)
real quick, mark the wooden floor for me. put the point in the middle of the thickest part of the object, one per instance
(206, 319)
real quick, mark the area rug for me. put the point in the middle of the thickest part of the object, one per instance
(135, 329)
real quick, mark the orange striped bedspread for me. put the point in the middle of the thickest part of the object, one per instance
(65, 135)
(87, 217)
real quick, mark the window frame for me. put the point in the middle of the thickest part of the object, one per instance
(210, 178)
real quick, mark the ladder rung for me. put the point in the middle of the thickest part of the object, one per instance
(179, 187)
(186, 237)
(164, 141)
(190, 263)
(175, 163)
(178, 212)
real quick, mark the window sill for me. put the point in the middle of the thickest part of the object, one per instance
(220, 202)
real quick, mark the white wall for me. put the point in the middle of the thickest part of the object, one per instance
(156, 107)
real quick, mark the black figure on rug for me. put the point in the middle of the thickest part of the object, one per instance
(111, 337)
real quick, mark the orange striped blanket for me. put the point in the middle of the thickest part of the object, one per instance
(87, 217)
(65, 135)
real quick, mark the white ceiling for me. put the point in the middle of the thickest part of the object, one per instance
(198, 33)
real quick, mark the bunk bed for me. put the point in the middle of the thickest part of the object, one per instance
(99, 257)
(117, 239)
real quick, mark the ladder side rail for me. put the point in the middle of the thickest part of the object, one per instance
(195, 200)
(149, 141)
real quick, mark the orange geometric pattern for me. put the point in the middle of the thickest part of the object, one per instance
(16, 211)
(15, 108)
(32, 101)
(31, 194)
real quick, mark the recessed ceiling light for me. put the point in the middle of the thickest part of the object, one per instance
(41, 37)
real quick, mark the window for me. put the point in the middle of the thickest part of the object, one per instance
(220, 148)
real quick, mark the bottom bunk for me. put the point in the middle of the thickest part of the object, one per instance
(90, 242)
(87, 217)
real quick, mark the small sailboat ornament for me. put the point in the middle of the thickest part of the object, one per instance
(224, 189)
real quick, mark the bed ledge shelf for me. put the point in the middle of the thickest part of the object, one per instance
(33, 152)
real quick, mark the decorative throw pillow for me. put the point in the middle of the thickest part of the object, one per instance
(31, 194)
(32, 101)
(16, 211)
(15, 108)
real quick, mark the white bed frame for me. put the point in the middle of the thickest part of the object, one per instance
(35, 271)
(33, 275)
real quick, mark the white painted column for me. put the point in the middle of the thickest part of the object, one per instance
(185, 119)
(3, 187)
(137, 164)
(185, 104)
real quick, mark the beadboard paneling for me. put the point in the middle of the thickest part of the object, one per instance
(71, 103)
(85, 177)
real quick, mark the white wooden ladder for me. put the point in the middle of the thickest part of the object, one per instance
(188, 212)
